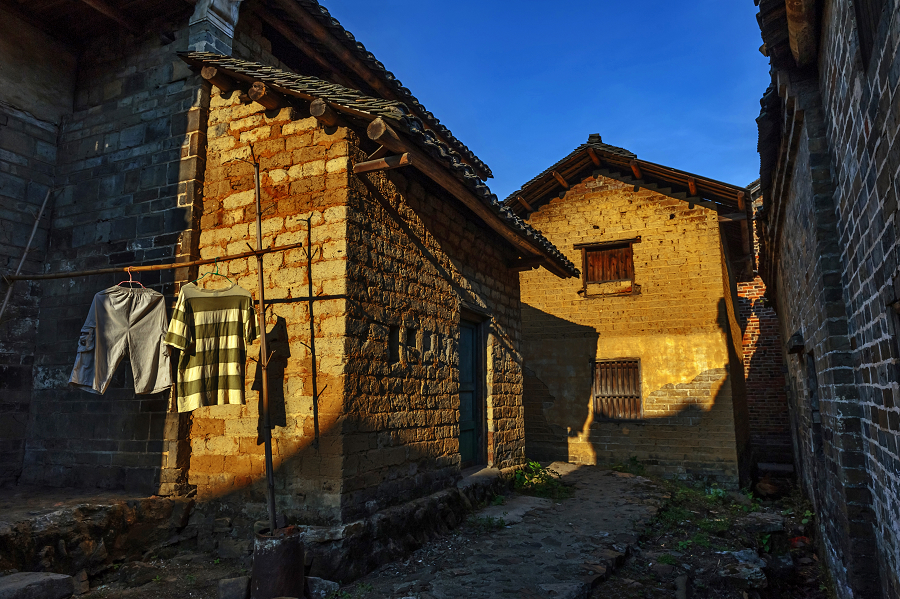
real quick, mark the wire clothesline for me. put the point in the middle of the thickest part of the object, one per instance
(149, 267)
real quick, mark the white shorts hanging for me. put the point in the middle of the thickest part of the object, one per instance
(124, 320)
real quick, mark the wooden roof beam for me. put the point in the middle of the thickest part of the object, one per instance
(636, 169)
(692, 185)
(217, 78)
(593, 155)
(560, 180)
(379, 131)
(802, 30)
(324, 114)
(114, 14)
(525, 204)
(263, 95)
(382, 164)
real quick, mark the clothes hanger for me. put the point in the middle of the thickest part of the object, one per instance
(131, 278)
(214, 273)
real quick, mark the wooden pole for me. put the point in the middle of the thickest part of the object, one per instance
(323, 113)
(264, 361)
(220, 80)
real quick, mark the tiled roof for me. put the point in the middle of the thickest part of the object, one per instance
(398, 114)
(597, 145)
(322, 15)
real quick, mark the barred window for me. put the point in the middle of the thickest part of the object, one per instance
(617, 389)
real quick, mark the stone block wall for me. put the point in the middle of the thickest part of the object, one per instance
(33, 102)
(679, 321)
(129, 163)
(304, 176)
(418, 260)
(862, 120)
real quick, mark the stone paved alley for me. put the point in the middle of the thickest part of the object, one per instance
(529, 546)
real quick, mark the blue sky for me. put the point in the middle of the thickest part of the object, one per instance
(523, 83)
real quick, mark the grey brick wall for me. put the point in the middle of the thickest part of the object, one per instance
(862, 116)
(27, 161)
(130, 166)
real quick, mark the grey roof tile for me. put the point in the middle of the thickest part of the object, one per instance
(398, 114)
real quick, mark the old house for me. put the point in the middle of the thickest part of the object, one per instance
(143, 118)
(829, 257)
(640, 357)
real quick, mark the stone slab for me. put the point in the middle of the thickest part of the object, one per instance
(36, 585)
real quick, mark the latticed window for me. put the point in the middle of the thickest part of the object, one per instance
(617, 389)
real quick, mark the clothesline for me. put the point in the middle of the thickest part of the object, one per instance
(145, 268)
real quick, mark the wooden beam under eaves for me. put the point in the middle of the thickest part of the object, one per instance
(593, 156)
(264, 96)
(636, 169)
(382, 164)
(324, 113)
(217, 78)
(525, 204)
(523, 264)
(560, 180)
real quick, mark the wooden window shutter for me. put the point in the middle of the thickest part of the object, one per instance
(617, 389)
(604, 264)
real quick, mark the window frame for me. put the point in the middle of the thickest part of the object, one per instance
(601, 413)
(601, 246)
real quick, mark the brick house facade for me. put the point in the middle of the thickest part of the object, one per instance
(148, 166)
(674, 318)
(829, 167)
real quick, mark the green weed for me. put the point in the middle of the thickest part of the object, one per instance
(534, 479)
(487, 523)
(665, 558)
(498, 500)
(632, 466)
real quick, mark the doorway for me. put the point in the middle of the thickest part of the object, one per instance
(472, 407)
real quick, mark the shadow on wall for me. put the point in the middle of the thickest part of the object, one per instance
(688, 428)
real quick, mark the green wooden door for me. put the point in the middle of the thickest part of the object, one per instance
(469, 395)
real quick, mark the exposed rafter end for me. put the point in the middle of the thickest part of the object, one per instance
(217, 78)
(382, 164)
(264, 96)
(525, 204)
(636, 169)
(593, 155)
(324, 113)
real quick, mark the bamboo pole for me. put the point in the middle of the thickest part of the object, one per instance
(150, 267)
(10, 280)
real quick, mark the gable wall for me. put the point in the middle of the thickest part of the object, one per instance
(680, 324)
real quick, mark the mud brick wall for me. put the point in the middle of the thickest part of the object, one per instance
(417, 258)
(680, 323)
(304, 175)
(128, 165)
(862, 117)
(32, 105)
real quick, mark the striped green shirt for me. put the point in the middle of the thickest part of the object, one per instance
(211, 328)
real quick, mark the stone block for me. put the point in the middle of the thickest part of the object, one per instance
(234, 588)
(36, 585)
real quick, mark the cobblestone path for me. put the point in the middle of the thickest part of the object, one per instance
(543, 549)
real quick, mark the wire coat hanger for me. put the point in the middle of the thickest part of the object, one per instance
(131, 278)
(214, 273)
